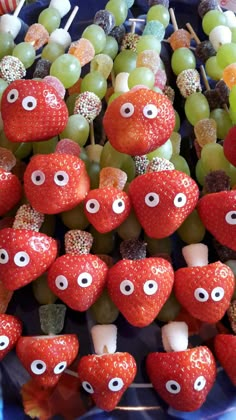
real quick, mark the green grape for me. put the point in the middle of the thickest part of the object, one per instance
(160, 13)
(4, 142)
(212, 19)
(113, 96)
(6, 44)
(232, 99)
(125, 61)
(84, 157)
(169, 310)
(200, 172)
(23, 150)
(148, 42)
(70, 103)
(141, 76)
(232, 264)
(67, 69)
(213, 158)
(196, 107)
(158, 246)
(111, 47)
(94, 152)
(119, 10)
(25, 52)
(213, 69)
(94, 82)
(45, 147)
(223, 122)
(96, 35)
(130, 228)
(50, 18)
(41, 291)
(104, 310)
(111, 157)
(75, 218)
(192, 229)
(177, 121)
(93, 171)
(182, 59)
(233, 30)
(180, 163)
(103, 243)
(226, 55)
(77, 129)
(49, 225)
(52, 51)
(164, 151)
(232, 174)
(3, 86)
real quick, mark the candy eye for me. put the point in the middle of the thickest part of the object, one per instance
(59, 368)
(4, 258)
(61, 282)
(217, 294)
(180, 200)
(92, 206)
(173, 387)
(200, 383)
(21, 259)
(127, 110)
(150, 287)
(115, 384)
(84, 280)
(126, 287)
(12, 96)
(29, 103)
(37, 177)
(118, 206)
(201, 294)
(61, 178)
(152, 199)
(230, 217)
(150, 111)
(38, 367)
(4, 342)
(86, 385)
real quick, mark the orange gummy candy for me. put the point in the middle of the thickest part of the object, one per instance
(112, 177)
(83, 50)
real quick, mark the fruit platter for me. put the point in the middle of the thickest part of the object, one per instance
(117, 209)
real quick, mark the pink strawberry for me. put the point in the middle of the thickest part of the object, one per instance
(46, 357)
(225, 350)
(10, 191)
(182, 378)
(106, 377)
(32, 110)
(205, 291)
(229, 145)
(163, 200)
(139, 288)
(218, 214)
(24, 256)
(10, 331)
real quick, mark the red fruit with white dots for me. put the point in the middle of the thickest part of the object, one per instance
(10, 332)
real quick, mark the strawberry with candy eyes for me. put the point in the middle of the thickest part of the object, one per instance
(10, 332)
(10, 186)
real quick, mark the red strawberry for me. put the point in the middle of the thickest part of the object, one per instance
(32, 110)
(205, 291)
(78, 280)
(106, 377)
(106, 208)
(225, 350)
(10, 331)
(55, 182)
(139, 121)
(218, 214)
(229, 145)
(163, 200)
(24, 256)
(10, 191)
(139, 288)
(46, 357)
(182, 378)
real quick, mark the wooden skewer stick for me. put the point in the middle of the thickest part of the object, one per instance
(193, 33)
(173, 19)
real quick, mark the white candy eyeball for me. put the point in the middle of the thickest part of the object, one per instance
(38, 367)
(88, 387)
(4, 258)
(127, 110)
(38, 177)
(199, 383)
(4, 342)
(173, 387)
(201, 294)
(152, 199)
(84, 280)
(118, 206)
(61, 282)
(126, 287)
(115, 384)
(217, 294)
(150, 287)
(180, 200)
(12, 96)
(29, 103)
(21, 259)
(92, 205)
(150, 111)
(59, 368)
(230, 217)
(61, 178)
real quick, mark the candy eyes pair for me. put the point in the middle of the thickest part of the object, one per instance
(114, 385)
(201, 295)
(150, 111)
(150, 287)
(38, 367)
(61, 178)
(173, 387)
(93, 206)
(29, 103)
(21, 259)
(83, 280)
(152, 199)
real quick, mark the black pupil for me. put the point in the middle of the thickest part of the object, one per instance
(149, 112)
(217, 294)
(233, 216)
(88, 386)
(199, 383)
(127, 288)
(120, 204)
(30, 104)
(61, 367)
(151, 198)
(38, 178)
(127, 110)
(174, 387)
(92, 205)
(179, 199)
(115, 383)
(12, 96)
(60, 177)
(2, 344)
(150, 285)
(84, 280)
(3, 256)
(201, 295)
(61, 284)
(22, 259)
(39, 366)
